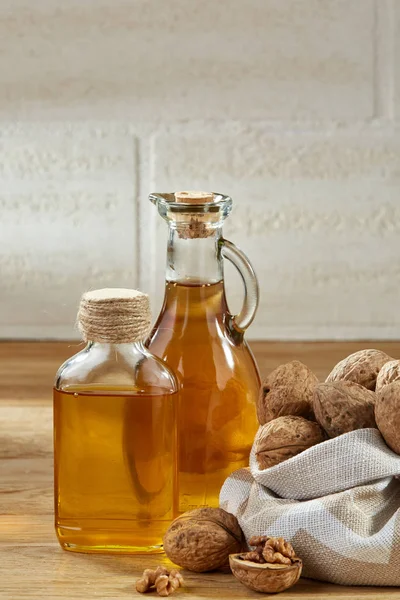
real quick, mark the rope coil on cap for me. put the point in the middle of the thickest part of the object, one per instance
(114, 316)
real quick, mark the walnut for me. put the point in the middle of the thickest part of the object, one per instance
(361, 367)
(288, 390)
(147, 580)
(168, 584)
(202, 539)
(256, 555)
(283, 438)
(163, 581)
(389, 373)
(270, 550)
(387, 414)
(343, 406)
(258, 540)
(277, 550)
(278, 570)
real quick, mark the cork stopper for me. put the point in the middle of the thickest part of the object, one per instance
(114, 316)
(194, 197)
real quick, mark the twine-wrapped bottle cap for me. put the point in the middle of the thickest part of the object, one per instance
(114, 316)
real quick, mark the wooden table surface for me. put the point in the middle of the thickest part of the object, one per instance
(32, 565)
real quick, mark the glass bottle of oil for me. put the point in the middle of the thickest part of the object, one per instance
(204, 344)
(114, 432)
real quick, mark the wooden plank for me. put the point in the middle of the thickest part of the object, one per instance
(27, 369)
(26, 487)
(29, 431)
(32, 565)
(53, 573)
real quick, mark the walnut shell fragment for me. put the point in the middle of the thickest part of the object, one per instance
(288, 390)
(343, 406)
(285, 437)
(389, 373)
(387, 414)
(202, 539)
(265, 577)
(362, 367)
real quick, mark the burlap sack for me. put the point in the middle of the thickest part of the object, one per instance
(338, 503)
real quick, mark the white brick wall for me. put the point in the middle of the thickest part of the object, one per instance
(291, 107)
(67, 204)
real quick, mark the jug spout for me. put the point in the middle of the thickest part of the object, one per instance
(184, 197)
(190, 208)
(190, 199)
(157, 197)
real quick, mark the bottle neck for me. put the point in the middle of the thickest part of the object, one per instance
(194, 259)
(112, 347)
(114, 352)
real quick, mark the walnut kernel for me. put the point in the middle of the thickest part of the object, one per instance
(163, 581)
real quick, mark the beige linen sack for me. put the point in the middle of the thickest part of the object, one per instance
(338, 503)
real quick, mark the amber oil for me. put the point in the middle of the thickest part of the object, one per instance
(114, 468)
(219, 385)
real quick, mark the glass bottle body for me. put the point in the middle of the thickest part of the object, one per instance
(114, 450)
(219, 380)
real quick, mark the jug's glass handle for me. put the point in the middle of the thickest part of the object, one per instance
(243, 319)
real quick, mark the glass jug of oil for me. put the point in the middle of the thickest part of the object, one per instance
(204, 345)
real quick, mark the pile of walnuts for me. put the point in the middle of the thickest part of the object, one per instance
(296, 411)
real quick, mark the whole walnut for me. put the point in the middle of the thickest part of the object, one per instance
(389, 373)
(288, 390)
(387, 414)
(343, 406)
(283, 438)
(202, 539)
(361, 367)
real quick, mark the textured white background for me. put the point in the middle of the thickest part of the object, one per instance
(292, 107)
